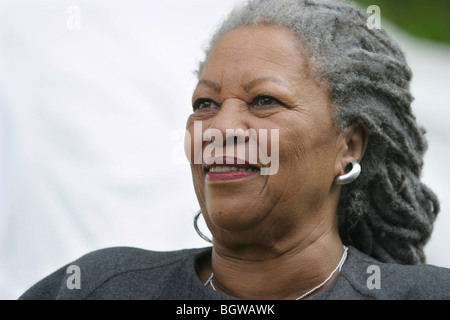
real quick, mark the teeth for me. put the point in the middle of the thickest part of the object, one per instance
(228, 169)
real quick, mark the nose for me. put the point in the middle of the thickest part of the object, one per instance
(231, 122)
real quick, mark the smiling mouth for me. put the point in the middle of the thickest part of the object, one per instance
(222, 169)
(226, 168)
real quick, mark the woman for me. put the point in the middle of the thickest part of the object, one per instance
(343, 216)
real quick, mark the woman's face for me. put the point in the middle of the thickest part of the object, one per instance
(256, 78)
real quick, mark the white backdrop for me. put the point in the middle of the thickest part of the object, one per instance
(94, 96)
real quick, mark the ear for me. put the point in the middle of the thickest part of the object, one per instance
(352, 144)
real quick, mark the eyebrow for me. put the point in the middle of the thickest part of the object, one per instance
(257, 81)
(247, 87)
(213, 85)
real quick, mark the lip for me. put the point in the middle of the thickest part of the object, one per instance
(228, 161)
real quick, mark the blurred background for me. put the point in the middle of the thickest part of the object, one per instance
(94, 96)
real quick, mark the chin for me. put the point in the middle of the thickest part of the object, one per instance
(236, 223)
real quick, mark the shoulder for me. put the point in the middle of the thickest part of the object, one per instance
(369, 278)
(107, 270)
(122, 259)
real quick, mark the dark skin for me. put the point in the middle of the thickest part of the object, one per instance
(274, 236)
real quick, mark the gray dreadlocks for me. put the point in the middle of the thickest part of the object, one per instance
(388, 213)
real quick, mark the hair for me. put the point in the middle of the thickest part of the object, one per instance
(387, 213)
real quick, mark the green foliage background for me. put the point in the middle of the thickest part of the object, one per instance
(428, 19)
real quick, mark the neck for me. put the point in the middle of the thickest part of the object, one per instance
(285, 272)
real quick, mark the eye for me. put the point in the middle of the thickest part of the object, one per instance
(204, 104)
(265, 101)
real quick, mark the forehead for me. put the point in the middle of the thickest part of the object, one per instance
(257, 50)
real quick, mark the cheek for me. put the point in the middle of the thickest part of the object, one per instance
(308, 151)
(198, 181)
(293, 146)
(268, 150)
(193, 140)
(193, 152)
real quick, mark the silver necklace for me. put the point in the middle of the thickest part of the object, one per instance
(338, 268)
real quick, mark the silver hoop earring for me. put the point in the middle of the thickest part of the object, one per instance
(199, 213)
(351, 175)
